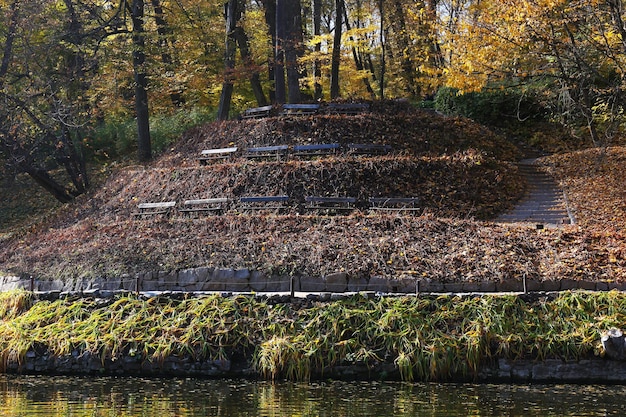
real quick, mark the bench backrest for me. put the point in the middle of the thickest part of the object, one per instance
(277, 148)
(316, 147)
(165, 204)
(205, 201)
(264, 199)
(348, 107)
(208, 152)
(330, 200)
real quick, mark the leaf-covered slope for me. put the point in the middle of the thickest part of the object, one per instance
(98, 236)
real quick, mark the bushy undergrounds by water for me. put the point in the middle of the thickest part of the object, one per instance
(463, 174)
(425, 337)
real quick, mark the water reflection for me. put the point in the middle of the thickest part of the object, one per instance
(73, 396)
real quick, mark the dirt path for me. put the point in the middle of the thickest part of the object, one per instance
(545, 202)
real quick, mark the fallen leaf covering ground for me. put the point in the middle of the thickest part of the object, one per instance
(463, 174)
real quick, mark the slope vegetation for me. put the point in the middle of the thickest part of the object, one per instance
(463, 174)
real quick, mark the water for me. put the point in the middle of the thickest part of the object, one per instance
(72, 396)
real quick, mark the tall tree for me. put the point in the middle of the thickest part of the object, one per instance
(42, 83)
(293, 49)
(336, 55)
(317, 31)
(144, 143)
(232, 14)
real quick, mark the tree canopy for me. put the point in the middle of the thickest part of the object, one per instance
(68, 67)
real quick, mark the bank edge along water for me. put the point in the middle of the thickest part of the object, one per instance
(536, 337)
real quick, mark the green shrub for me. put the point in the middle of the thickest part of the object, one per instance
(492, 107)
(117, 137)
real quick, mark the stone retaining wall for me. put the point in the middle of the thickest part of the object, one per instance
(586, 371)
(244, 280)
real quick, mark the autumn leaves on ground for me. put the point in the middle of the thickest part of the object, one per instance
(463, 174)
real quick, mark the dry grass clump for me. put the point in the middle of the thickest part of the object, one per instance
(426, 338)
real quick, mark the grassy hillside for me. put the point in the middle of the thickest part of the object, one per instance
(463, 174)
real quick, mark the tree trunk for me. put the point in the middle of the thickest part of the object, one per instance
(164, 31)
(270, 20)
(7, 51)
(405, 49)
(279, 55)
(336, 55)
(22, 160)
(144, 145)
(381, 81)
(317, 65)
(358, 61)
(255, 79)
(232, 15)
(294, 41)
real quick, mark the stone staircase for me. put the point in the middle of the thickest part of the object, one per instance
(543, 204)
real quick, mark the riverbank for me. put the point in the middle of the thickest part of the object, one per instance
(501, 337)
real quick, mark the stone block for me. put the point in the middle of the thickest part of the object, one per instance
(569, 284)
(238, 283)
(510, 285)
(403, 285)
(258, 281)
(428, 285)
(550, 285)
(312, 284)
(587, 285)
(356, 284)
(471, 286)
(487, 286)
(453, 287)
(112, 284)
(188, 278)
(337, 282)
(533, 285)
(151, 285)
(242, 274)
(602, 286)
(378, 284)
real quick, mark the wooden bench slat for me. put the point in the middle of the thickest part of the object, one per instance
(148, 209)
(219, 151)
(300, 109)
(264, 199)
(369, 148)
(316, 149)
(264, 202)
(257, 112)
(204, 205)
(267, 151)
(213, 154)
(165, 204)
(330, 200)
(330, 204)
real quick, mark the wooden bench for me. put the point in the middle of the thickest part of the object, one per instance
(214, 154)
(216, 205)
(368, 149)
(316, 149)
(330, 204)
(257, 112)
(300, 109)
(264, 202)
(394, 203)
(277, 152)
(149, 209)
(347, 108)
